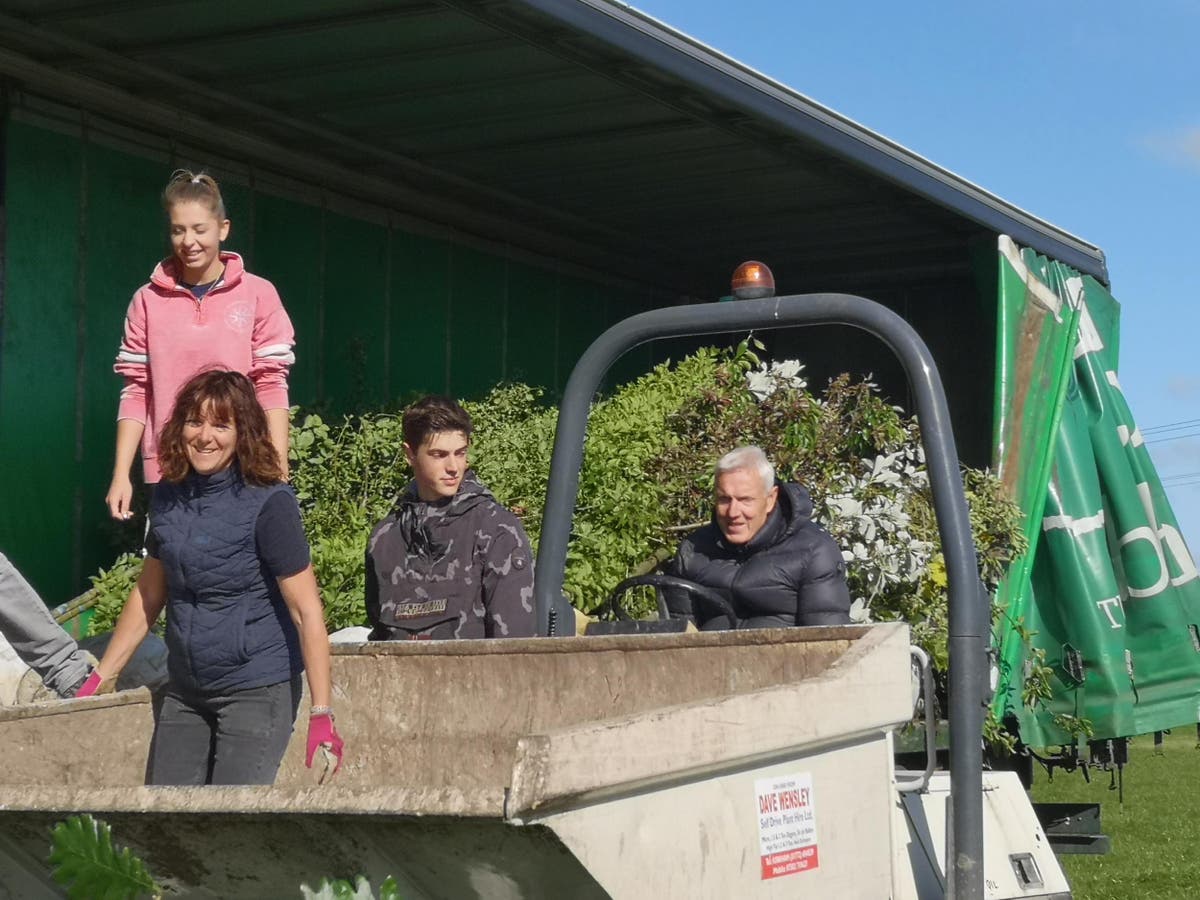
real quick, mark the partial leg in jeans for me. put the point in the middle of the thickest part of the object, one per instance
(253, 730)
(234, 737)
(39, 641)
(182, 747)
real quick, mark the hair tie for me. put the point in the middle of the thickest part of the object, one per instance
(195, 179)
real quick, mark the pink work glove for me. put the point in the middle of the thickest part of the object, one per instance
(321, 732)
(90, 685)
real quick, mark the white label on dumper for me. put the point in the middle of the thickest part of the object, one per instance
(787, 824)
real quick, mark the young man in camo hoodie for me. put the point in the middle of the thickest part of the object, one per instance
(448, 561)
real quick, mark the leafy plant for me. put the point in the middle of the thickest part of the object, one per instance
(85, 860)
(647, 478)
(346, 478)
(341, 889)
(110, 588)
(1079, 727)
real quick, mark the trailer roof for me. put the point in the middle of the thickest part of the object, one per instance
(583, 130)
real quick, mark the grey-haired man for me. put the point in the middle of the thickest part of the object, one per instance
(762, 552)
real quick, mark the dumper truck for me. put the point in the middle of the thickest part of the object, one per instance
(745, 763)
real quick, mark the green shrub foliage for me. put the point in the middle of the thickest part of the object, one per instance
(346, 478)
(647, 478)
(111, 588)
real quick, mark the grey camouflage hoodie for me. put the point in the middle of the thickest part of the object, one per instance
(454, 568)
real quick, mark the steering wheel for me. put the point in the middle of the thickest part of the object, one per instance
(705, 594)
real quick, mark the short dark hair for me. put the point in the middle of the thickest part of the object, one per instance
(432, 414)
(230, 397)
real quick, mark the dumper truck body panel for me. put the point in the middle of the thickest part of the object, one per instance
(1018, 858)
(654, 763)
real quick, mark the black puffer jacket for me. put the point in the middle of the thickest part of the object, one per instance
(790, 573)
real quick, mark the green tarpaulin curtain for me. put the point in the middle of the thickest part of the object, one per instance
(1108, 589)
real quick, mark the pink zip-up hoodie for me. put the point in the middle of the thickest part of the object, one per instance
(170, 336)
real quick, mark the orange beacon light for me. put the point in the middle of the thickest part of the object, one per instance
(752, 280)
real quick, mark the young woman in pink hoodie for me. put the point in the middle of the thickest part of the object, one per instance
(201, 309)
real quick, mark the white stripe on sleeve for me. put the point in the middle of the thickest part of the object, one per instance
(278, 352)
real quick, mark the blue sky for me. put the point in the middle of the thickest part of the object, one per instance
(1086, 114)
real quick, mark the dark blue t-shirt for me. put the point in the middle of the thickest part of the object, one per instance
(199, 290)
(278, 532)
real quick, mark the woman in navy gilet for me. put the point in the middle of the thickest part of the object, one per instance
(227, 557)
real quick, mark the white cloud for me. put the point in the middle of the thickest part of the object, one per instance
(1181, 148)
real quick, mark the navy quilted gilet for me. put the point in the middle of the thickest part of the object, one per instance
(228, 627)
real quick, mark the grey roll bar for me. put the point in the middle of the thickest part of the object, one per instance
(968, 607)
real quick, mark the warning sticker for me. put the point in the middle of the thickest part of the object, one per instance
(787, 824)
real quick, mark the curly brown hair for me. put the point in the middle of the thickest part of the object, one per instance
(227, 397)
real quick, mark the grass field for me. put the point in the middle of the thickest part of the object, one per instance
(1155, 835)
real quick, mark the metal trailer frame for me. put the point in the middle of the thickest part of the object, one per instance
(968, 604)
